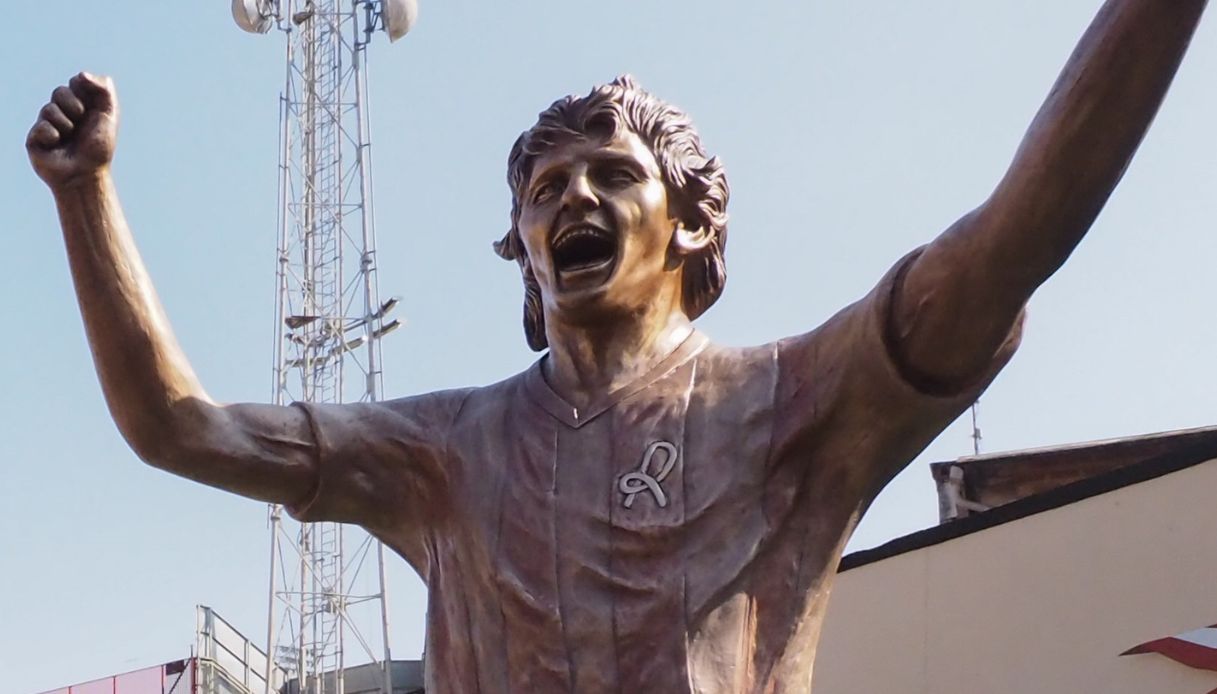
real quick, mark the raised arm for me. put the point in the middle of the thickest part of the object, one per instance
(956, 305)
(161, 409)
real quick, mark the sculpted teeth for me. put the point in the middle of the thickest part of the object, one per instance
(577, 232)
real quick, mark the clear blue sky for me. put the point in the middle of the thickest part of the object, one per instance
(851, 132)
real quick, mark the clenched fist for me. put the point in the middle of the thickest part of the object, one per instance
(76, 131)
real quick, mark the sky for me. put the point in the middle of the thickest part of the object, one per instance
(851, 132)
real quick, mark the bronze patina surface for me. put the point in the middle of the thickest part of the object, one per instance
(642, 510)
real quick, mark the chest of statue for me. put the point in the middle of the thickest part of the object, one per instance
(600, 540)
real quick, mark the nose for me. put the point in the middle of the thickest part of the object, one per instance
(579, 195)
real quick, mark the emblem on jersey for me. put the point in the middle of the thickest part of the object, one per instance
(650, 474)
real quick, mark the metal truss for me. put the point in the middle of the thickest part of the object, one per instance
(328, 603)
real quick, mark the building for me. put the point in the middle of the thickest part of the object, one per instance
(1048, 566)
(225, 662)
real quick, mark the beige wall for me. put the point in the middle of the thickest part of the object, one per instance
(1040, 605)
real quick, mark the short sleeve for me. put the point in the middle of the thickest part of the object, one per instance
(845, 404)
(379, 464)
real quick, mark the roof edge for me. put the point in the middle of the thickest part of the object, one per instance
(1202, 450)
(1064, 448)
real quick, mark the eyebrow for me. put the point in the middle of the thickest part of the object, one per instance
(596, 158)
(619, 158)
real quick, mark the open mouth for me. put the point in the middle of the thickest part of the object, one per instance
(583, 247)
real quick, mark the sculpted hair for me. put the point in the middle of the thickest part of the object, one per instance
(696, 183)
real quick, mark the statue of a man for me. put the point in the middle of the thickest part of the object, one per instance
(641, 510)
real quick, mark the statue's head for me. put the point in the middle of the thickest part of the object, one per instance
(612, 194)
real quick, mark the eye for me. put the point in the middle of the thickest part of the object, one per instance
(545, 191)
(618, 176)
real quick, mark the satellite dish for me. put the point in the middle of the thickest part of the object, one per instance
(399, 16)
(253, 16)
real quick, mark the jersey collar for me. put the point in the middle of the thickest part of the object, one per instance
(540, 391)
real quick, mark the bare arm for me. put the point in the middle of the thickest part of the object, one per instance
(959, 299)
(259, 451)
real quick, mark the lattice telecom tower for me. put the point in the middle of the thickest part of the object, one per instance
(327, 585)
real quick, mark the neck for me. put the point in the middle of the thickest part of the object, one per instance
(589, 360)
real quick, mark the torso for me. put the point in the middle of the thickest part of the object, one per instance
(648, 543)
(678, 535)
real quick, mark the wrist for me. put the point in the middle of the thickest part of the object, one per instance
(84, 182)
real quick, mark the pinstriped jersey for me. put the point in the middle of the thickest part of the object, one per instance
(679, 534)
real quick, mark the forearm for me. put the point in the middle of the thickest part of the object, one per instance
(163, 412)
(143, 372)
(960, 298)
(262, 451)
(1081, 141)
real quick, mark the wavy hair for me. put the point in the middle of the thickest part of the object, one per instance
(696, 183)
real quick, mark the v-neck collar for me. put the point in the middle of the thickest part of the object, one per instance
(573, 417)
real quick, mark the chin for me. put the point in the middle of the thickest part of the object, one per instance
(604, 305)
(577, 304)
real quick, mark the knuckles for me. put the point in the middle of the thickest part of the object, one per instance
(66, 118)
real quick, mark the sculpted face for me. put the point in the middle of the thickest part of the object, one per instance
(596, 226)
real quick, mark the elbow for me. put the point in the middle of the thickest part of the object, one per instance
(155, 448)
(174, 440)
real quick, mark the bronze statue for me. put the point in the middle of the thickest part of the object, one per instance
(642, 510)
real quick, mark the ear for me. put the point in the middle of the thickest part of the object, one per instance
(690, 241)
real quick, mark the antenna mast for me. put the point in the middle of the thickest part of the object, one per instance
(327, 581)
(976, 437)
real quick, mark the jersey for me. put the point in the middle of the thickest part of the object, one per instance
(680, 534)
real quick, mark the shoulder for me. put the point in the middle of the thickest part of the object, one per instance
(449, 407)
(730, 376)
(436, 406)
(855, 335)
(475, 406)
(736, 363)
